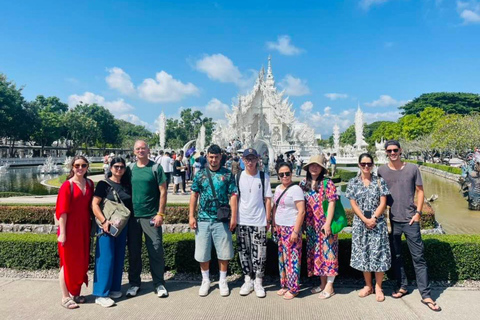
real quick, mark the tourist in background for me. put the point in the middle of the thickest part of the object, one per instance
(288, 215)
(333, 165)
(265, 161)
(167, 167)
(149, 197)
(299, 166)
(110, 250)
(254, 211)
(404, 180)
(235, 165)
(208, 228)
(73, 235)
(370, 245)
(178, 168)
(322, 245)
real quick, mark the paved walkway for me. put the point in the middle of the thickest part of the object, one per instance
(40, 299)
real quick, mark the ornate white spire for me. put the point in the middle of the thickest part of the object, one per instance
(270, 78)
(336, 138)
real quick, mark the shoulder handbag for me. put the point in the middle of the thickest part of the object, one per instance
(224, 212)
(386, 212)
(114, 211)
(339, 217)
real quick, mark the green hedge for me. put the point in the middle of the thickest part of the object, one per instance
(176, 213)
(344, 175)
(449, 257)
(7, 194)
(437, 166)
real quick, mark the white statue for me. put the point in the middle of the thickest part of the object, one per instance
(162, 126)
(360, 140)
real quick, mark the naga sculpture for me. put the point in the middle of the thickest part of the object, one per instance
(470, 180)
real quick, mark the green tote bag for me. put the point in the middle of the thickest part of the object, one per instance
(339, 217)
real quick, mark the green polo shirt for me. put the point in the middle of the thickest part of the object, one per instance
(145, 192)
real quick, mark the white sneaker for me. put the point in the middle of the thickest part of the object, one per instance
(246, 288)
(104, 301)
(115, 294)
(132, 291)
(162, 292)
(204, 288)
(259, 290)
(224, 290)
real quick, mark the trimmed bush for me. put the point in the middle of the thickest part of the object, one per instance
(449, 257)
(344, 175)
(437, 166)
(7, 194)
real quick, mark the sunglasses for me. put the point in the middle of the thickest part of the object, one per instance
(78, 166)
(119, 167)
(366, 164)
(393, 150)
(284, 174)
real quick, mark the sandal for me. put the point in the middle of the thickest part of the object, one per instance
(324, 295)
(80, 299)
(431, 305)
(68, 303)
(399, 293)
(315, 290)
(289, 296)
(379, 296)
(365, 292)
(282, 291)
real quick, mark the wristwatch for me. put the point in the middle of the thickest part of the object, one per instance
(419, 212)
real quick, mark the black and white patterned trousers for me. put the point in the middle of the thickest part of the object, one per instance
(252, 249)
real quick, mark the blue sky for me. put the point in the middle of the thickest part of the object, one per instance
(138, 58)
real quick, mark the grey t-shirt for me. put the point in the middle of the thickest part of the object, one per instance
(401, 184)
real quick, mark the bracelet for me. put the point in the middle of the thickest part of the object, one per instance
(161, 214)
(102, 223)
(295, 232)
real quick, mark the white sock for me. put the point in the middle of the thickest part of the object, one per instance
(205, 275)
(258, 281)
(330, 279)
(247, 278)
(223, 275)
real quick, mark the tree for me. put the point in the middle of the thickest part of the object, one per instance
(414, 126)
(17, 117)
(49, 126)
(80, 129)
(348, 136)
(179, 131)
(108, 130)
(130, 132)
(450, 102)
(386, 130)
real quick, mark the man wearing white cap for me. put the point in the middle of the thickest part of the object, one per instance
(254, 214)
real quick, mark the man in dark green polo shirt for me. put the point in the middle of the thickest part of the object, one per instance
(149, 195)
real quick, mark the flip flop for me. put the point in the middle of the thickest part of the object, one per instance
(80, 299)
(68, 303)
(365, 292)
(324, 295)
(400, 293)
(282, 291)
(430, 305)
(289, 295)
(315, 290)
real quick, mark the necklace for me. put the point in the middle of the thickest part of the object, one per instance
(251, 183)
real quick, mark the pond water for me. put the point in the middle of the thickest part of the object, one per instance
(27, 180)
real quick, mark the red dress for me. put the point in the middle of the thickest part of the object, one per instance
(75, 253)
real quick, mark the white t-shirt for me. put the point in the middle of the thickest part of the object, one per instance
(165, 163)
(251, 210)
(287, 212)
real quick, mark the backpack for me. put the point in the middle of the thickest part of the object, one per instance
(262, 178)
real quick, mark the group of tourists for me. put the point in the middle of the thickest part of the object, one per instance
(223, 202)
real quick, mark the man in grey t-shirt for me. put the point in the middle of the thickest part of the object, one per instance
(403, 180)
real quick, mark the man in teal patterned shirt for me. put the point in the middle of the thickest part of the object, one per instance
(207, 227)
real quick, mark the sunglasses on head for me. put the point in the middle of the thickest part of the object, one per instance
(392, 150)
(284, 174)
(366, 164)
(119, 167)
(77, 165)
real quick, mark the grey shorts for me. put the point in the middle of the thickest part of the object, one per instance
(216, 232)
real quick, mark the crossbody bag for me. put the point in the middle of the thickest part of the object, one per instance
(224, 213)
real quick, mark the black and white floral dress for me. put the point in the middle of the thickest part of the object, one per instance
(370, 248)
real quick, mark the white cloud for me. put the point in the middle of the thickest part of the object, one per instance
(386, 101)
(216, 109)
(116, 107)
(135, 120)
(367, 4)
(335, 96)
(120, 81)
(307, 106)
(469, 11)
(327, 110)
(219, 67)
(164, 88)
(381, 116)
(284, 46)
(294, 86)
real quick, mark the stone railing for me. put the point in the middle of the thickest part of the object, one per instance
(447, 175)
(52, 229)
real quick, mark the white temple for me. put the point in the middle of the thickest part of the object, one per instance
(264, 120)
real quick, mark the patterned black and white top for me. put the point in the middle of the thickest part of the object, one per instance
(368, 198)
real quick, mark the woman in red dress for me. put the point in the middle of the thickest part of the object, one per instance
(73, 214)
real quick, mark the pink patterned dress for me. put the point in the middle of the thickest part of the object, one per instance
(322, 252)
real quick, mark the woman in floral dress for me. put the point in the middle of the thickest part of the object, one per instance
(370, 246)
(322, 245)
